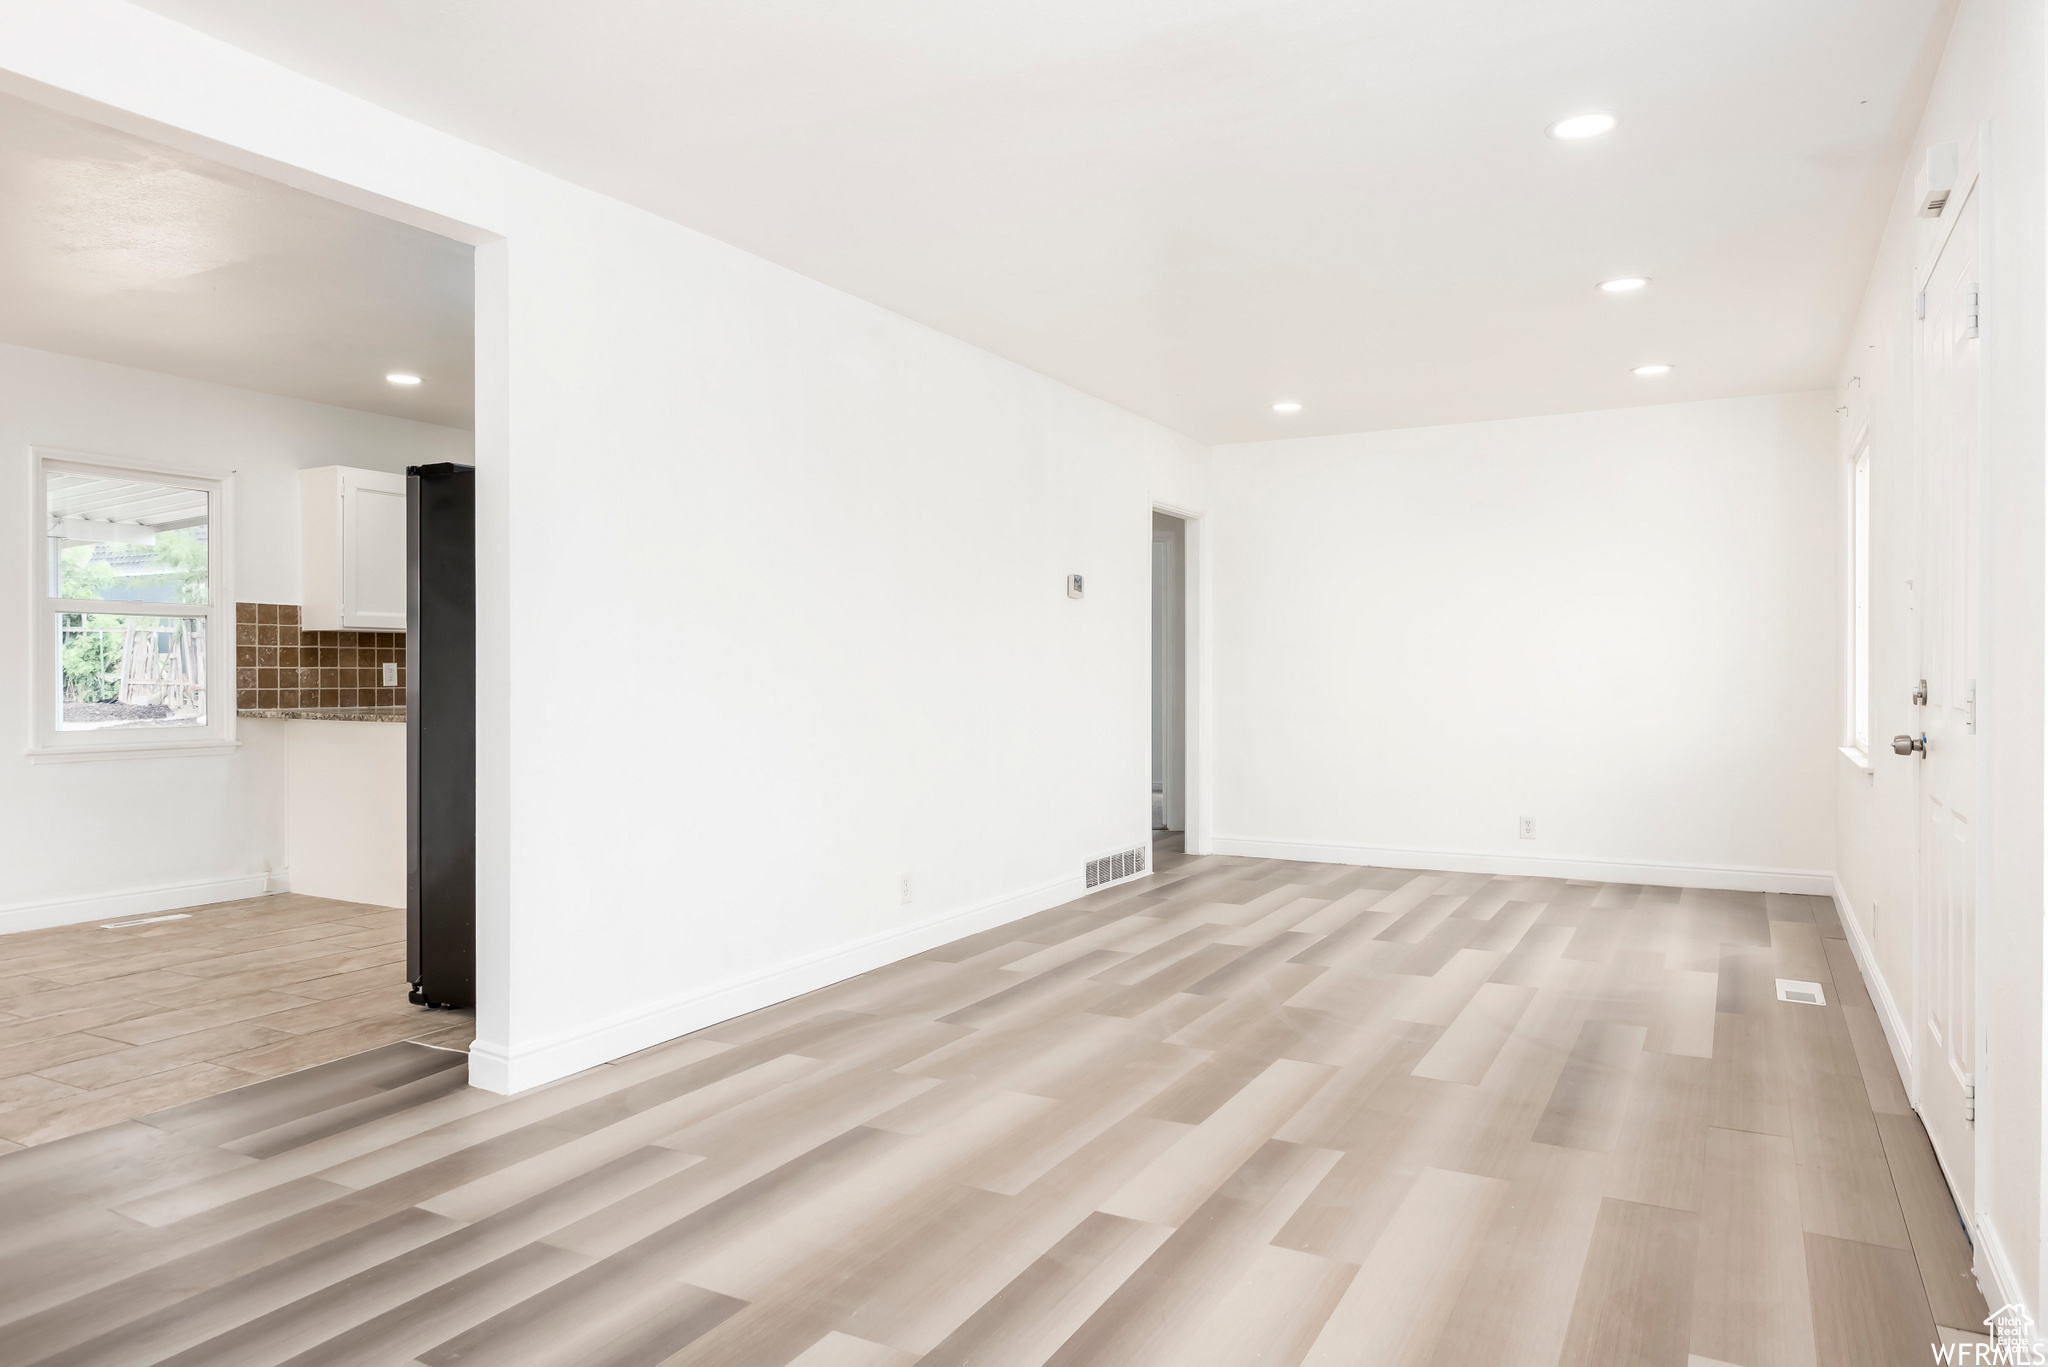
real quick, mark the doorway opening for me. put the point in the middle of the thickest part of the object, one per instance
(218, 381)
(1169, 680)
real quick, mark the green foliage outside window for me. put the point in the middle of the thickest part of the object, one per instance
(92, 641)
(182, 557)
(92, 658)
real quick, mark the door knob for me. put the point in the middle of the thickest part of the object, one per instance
(1906, 745)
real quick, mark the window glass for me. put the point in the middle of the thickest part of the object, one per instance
(124, 540)
(127, 671)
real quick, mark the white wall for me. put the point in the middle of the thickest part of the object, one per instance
(1619, 624)
(843, 650)
(180, 831)
(1991, 73)
(840, 651)
(344, 806)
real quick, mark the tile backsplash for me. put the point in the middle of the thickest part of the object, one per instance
(279, 665)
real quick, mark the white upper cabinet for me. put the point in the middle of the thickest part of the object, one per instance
(352, 549)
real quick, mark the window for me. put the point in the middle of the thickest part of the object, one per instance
(1859, 603)
(132, 573)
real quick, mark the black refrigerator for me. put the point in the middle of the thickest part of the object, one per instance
(440, 734)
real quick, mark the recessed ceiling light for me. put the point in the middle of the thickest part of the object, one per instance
(1625, 284)
(1658, 369)
(397, 378)
(1287, 406)
(1579, 126)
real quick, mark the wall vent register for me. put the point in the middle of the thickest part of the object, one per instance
(1111, 867)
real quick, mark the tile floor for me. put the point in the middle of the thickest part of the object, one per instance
(99, 1025)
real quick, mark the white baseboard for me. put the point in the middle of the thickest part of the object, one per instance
(2005, 1286)
(495, 1068)
(1993, 1270)
(114, 906)
(1888, 1014)
(1730, 879)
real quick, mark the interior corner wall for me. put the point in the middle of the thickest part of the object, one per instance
(191, 829)
(784, 573)
(1618, 625)
(822, 645)
(1989, 86)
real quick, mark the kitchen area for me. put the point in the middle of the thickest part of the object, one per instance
(323, 682)
(367, 691)
(238, 838)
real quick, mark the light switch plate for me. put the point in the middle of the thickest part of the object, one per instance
(390, 675)
(1073, 586)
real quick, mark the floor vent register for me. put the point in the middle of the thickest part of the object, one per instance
(1111, 867)
(1806, 994)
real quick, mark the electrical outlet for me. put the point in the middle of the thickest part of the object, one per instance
(1528, 828)
(905, 896)
(390, 675)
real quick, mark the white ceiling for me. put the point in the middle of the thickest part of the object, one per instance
(1196, 207)
(122, 250)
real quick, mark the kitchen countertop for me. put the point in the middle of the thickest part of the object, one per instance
(396, 714)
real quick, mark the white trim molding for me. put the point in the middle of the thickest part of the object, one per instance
(114, 906)
(1888, 1014)
(1198, 726)
(1992, 1267)
(496, 1068)
(1726, 878)
(1992, 1259)
(188, 750)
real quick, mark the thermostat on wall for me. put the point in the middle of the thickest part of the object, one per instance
(1073, 586)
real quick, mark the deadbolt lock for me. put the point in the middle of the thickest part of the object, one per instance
(1920, 694)
(1906, 745)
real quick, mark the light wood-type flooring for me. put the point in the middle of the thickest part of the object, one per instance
(101, 1024)
(1236, 1112)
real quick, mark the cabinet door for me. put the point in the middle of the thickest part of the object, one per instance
(373, 551)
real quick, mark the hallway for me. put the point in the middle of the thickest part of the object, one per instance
(1237, 1111)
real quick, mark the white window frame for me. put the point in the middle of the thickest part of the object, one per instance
(47, 743)
(1859, 567)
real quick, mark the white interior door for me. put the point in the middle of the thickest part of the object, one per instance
(1947, 612)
